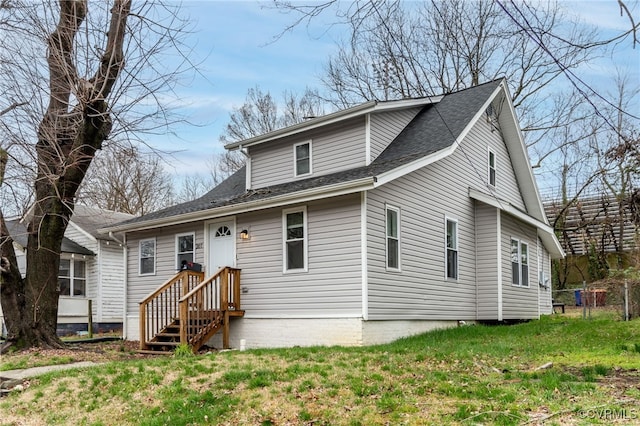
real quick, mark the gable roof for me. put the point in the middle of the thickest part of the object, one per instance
(433, 134)
(19, 234)
(89, 219)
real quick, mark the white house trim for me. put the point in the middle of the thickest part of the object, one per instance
(546, 231)
(364, 254)
(81, 230)
(336, 117)
(367, 139)
(413, 166)
(304, 196)
(499, 260)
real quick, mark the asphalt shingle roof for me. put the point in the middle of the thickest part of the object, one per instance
(434, 128)
(18, 232)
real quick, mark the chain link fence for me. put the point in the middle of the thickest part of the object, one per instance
(619, 299)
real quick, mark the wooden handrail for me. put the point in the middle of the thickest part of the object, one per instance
(202, 284)
(161, 306)
(205, 309)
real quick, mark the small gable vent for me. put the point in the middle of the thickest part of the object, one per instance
(490, 112)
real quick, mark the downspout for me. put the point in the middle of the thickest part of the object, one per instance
(123, 244)
(499, 255)
(99, 289)
(245, 152)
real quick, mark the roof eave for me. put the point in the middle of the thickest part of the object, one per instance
(277, 201)
(548, 235)
(338, 116)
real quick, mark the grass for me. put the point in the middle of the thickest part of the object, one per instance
(466, 375)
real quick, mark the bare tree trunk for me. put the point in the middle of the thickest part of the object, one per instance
(68, 138)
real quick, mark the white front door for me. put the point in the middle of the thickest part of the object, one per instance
(222, 246)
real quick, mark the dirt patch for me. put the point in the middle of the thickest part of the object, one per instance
(117, 350)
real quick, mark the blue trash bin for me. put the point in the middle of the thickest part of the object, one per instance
(578, 294)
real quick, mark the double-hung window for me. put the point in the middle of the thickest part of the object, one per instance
(492, 168)
(519, 263)
(302, 158)
(452, 249)
(147, 253)
(72, 278)
(295, 240)
(185, 248)
(393, 238)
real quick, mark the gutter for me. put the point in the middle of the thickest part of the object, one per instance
(548, 234)
(277, 201)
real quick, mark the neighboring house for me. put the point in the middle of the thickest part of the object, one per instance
(362, 226)
(91, 268)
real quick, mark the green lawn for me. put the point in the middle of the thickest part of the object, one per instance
(466, 375)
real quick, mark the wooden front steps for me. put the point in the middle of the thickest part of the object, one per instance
(188, 310)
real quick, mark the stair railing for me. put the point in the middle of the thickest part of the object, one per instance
(161, 307)
(205, 309)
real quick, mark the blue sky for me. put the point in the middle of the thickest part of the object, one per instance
(234, 39)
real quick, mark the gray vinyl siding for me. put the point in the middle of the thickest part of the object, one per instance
(341, 148)
(138, 286)
(545, 296)
(420, 290)
(507, 187)
(425, 197)
(386, 126)
(519, 302)
(487, 237)
(332, 286)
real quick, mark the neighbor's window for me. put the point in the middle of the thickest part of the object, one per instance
(295, 236)
(147, 250)
(452, 249)
(393, 237)
(72, 278)
(302, 158)
(519, 263)
(185, 248)
(492, 168)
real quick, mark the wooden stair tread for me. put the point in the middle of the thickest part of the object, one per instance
(150, 352)
(156, 343)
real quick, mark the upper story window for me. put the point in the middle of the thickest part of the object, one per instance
(492, 168)
(519, 263)
(147, 254)
(185, 248)
(452, 249)
(393, 238)
(302, 158)
(72, 278)
(295, 240)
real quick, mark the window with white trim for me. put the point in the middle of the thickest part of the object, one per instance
(295, 240)
(452, 248)
(72, 278)
(519, 263)
(185, 248)
(147, 254)
(302, 158)
(393, 237)
(492, 168)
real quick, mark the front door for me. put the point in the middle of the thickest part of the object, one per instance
(222, 247)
